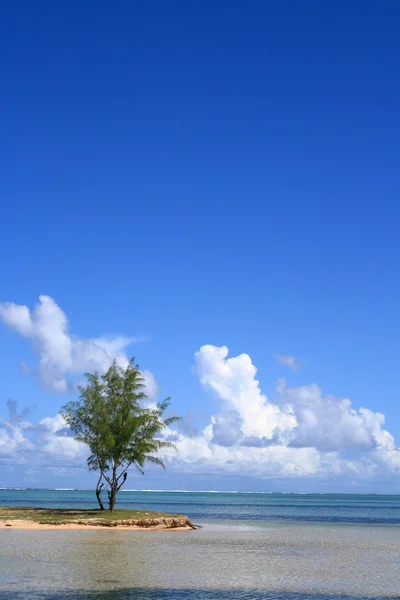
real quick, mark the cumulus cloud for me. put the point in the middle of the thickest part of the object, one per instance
(48, 442)
(300, 433)
(201, 454)
(303, 433)
(65, 447)
(227, 429)
(303, 417)
(329, 423)
(57, 442)
(233, 381)
(12, 439)
(288, 360)
(63, 356)
(53, 424)
(152, 388)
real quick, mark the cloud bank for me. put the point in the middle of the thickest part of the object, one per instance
(301, 433)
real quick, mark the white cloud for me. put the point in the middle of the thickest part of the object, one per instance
(17, 317)
(233, 381)
(303, 418)
(53, 424)
(64, 447)
(302, 434)
(55, 440)
(227, 429)
(329, 423)
(30, 443)
(152, 389)
(12, 438)
(61, 355)
(288, 360)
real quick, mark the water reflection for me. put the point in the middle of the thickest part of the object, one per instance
(244, 562)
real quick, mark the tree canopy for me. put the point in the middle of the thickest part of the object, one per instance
(121, 432)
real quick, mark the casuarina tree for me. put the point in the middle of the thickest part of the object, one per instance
(111, 417)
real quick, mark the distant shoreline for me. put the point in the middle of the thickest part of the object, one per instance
(175, 491)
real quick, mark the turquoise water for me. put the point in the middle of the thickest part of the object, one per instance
(251, 547)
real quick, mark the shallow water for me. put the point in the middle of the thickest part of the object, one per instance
(252, 561)
(251, 546)
(177, 594)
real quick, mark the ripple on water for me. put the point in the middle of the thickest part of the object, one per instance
(281, 562)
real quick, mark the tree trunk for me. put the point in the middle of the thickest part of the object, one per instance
(98, 491)
(99, 499)
(112, 496)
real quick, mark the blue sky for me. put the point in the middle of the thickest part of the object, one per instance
(219, 174)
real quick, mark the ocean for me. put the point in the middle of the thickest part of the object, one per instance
(250, 547)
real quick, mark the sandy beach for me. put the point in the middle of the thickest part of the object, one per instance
(164, 524)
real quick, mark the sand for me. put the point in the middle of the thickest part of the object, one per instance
(158, 524)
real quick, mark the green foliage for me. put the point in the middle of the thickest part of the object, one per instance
(110, 418)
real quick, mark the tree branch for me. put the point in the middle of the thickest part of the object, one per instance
(124, 471)
(107, 479)
(122, 482)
